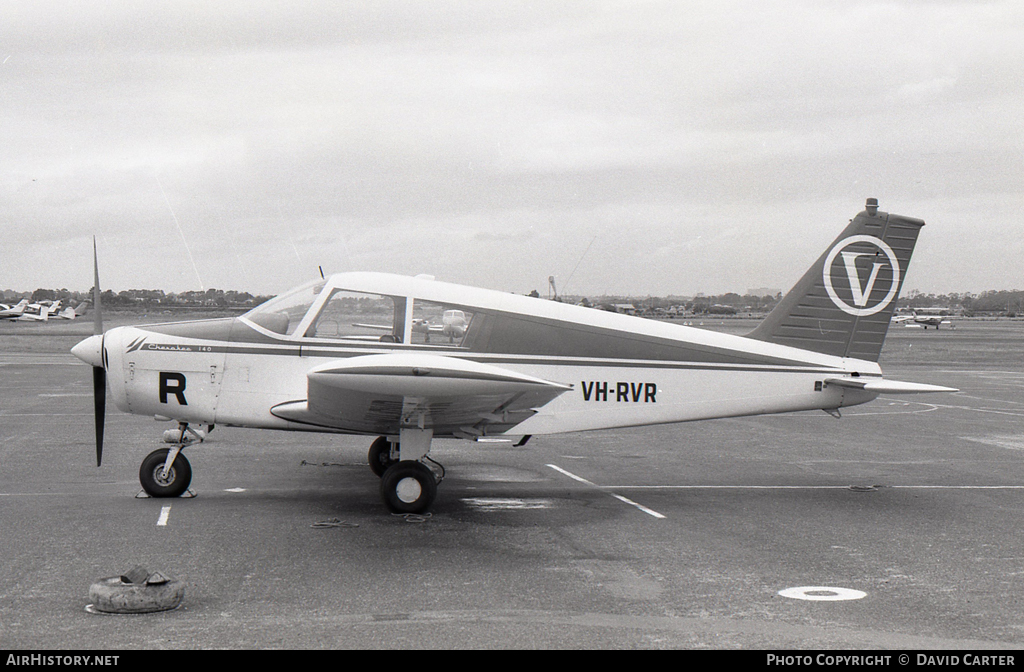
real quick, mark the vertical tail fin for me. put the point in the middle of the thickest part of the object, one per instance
(843, 305)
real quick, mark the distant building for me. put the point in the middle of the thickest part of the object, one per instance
(764, 291)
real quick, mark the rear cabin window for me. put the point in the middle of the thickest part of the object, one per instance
(439, 324)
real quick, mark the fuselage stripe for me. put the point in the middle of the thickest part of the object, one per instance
(524, 360)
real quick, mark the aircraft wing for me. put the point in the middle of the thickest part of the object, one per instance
(380, 394)
(882, 386)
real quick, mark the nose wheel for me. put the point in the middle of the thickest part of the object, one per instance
(166, 472)
(160, 482)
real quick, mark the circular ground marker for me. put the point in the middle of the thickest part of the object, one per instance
(822, 593)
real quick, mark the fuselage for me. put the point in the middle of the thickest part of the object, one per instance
(622, 370)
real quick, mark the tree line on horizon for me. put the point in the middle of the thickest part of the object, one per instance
(993, 302)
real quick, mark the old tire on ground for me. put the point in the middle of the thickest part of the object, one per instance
(114, 596)
(380, 456)
(408, 487)
(176, 481)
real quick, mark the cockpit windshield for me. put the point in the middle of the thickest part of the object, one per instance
(283, 313)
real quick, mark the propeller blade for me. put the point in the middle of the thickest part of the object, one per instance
(99, 394)
(97, 310)
(99, 373)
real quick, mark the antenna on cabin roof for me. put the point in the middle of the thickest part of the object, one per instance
(321, 272)
(578, 262)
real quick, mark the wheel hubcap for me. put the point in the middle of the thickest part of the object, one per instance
(160, 478)
(408, 490)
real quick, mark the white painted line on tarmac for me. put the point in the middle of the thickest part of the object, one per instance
(165, 512)
(573, 476)
(650, 512)
(958, 487)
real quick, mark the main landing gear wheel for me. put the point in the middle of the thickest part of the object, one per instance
(408, 487)
(173, 483)
(380, 456)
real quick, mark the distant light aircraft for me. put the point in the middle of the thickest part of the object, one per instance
(39, 312)
(453, 325)
(11, 312)
(70, 313)
(923, 320)
(513, 366)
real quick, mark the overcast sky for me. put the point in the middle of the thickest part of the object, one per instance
(622, 147)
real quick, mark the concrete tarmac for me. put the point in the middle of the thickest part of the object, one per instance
(898, 524)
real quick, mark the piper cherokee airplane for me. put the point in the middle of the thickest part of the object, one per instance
(308, 360)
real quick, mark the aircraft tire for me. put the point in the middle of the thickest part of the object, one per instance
(114, 596)
(380, 456)
(177, 480)
(408, 487)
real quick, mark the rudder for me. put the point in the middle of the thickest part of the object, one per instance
(844, 303)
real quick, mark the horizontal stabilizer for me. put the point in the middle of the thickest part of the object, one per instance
(881, 386)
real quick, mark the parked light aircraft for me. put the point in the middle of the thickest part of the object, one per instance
(11, 312)
(307, 360)
(38, 312)
(453, 325)
(923, 320)
(70, 313)
(41, 312)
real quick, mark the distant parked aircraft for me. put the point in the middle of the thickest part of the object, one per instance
(12, 312)
(923, 320)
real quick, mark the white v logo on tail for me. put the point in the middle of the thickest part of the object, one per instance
(860, 296)
(843, 304)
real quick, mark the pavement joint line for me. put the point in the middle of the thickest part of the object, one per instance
(650, 512)
(808, 487)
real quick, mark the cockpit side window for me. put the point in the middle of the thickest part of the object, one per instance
(360, 316)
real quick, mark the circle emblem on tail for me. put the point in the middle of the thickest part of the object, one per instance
(854, 286)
